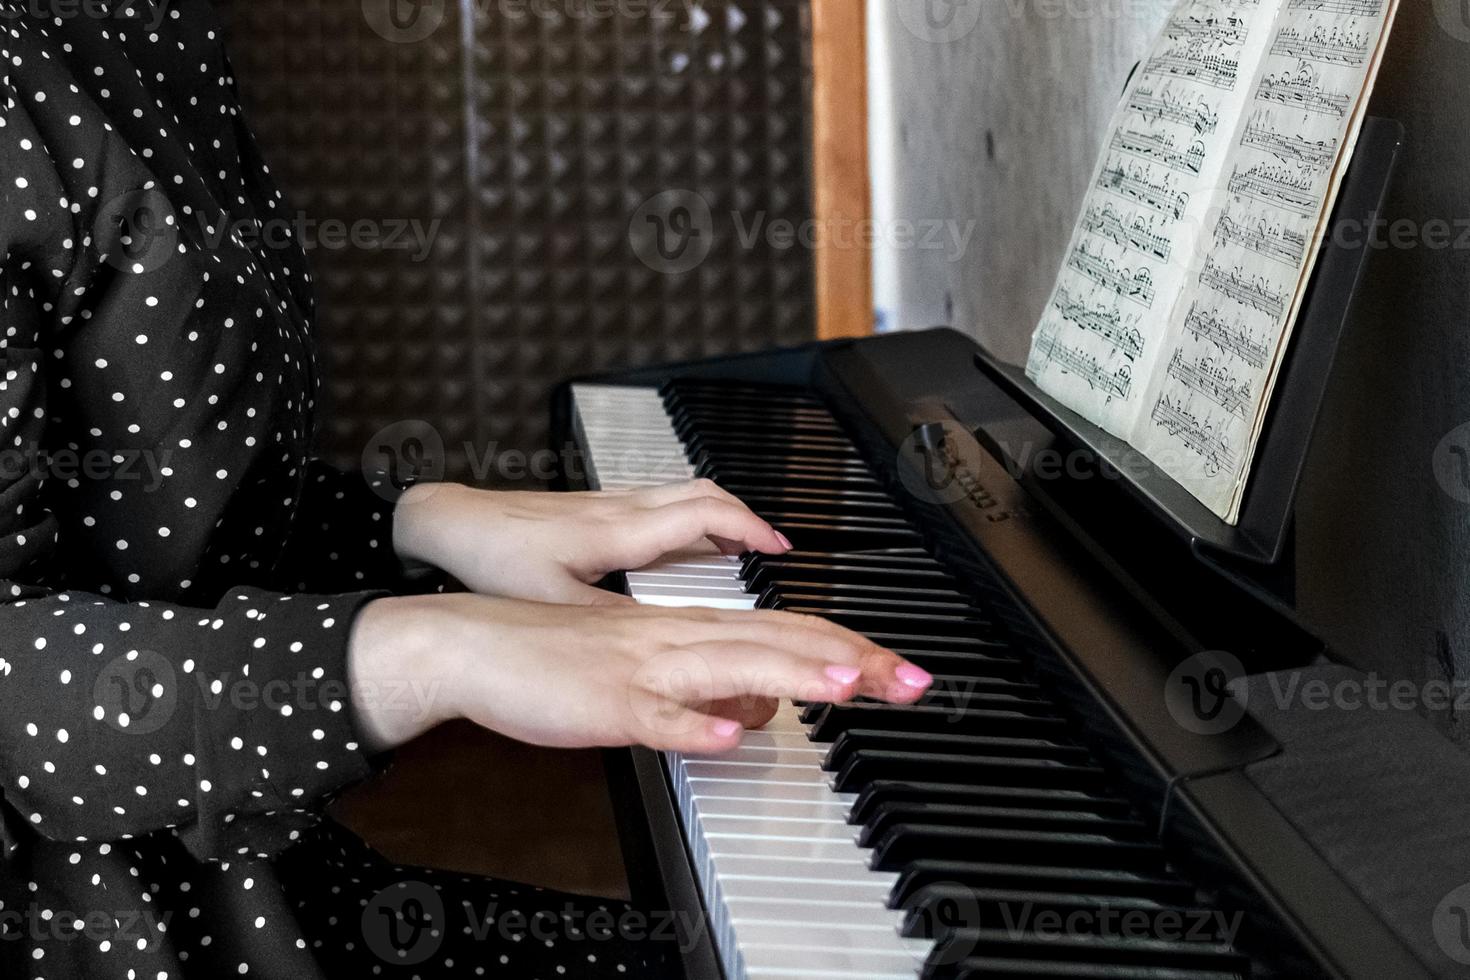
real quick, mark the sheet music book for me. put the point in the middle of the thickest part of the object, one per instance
(1201, 228)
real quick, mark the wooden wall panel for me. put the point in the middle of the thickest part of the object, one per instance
(840, 183)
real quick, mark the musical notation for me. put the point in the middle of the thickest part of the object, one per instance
(1109, 323)
(1130, 229)
(1208, 440)
(1116, 383)
(1213, 378)
(1186, 60)
(1262, 232)
(1159, 147)
(1290, 188)
(1207, 30)
(1137, 182)
(1197, 237)
(1303, 89)
(1344, 8)
(1261, 133)
(1331, 44)
(1232, 337)
(1167, 103)
(1247, 288)
(1135, 285)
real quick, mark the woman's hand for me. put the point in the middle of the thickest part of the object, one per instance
(553, 547)
(688, 679)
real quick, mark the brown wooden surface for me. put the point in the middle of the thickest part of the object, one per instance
(841, 202)
(464, 799)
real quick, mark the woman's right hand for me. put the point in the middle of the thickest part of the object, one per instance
(566, 676)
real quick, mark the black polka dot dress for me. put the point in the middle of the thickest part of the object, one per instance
(177, 577)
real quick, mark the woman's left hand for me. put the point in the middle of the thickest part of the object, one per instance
(553, 547)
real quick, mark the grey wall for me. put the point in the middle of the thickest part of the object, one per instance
(1002, 126)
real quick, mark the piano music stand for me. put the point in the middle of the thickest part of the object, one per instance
(1262, 538)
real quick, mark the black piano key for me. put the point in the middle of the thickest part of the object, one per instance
(882, 791)
(904, 843)
(918, 875)
(817, 534)
(777, 468)
(763, 574)
(740, 479)
(857, 740)
(889, 815)
(890, 560)
(936, 911)
(942, 600)
(918, 642)
(829, 721)
(896, 598)
(994, 662)
(867, 765)
(874, 621)
(824, 504)
(946, 616)
(689, 423)
(990, 953)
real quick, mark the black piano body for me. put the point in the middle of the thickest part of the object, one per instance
(1334, 833)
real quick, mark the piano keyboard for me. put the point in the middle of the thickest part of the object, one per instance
(878, 842)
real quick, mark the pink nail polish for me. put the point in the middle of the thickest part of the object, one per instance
(842, 674)
(914, 676)
(785, 541)
(724, 728)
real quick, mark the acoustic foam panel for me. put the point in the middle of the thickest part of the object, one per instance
(595, 183)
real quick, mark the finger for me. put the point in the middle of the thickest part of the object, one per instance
(669, 726)
(884, 674)
(712, 671)
(681, 524)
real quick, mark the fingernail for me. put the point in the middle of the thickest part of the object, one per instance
(785, 541)
(914, 676)
(724, 728)
(842, 674)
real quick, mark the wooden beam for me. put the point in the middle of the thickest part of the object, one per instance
(841, 194)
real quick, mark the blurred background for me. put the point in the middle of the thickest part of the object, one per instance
(504, 193)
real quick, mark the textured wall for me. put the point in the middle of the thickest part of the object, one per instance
(1385, 539)
(1003, 125)
(522, 142)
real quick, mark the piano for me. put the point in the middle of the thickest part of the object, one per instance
(1101, 783)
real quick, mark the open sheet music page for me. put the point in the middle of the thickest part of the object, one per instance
(1198, 235)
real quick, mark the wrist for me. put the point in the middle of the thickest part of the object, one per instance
(402, 670)
(419, 518)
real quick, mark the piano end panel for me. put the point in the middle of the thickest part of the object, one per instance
(660, 868)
